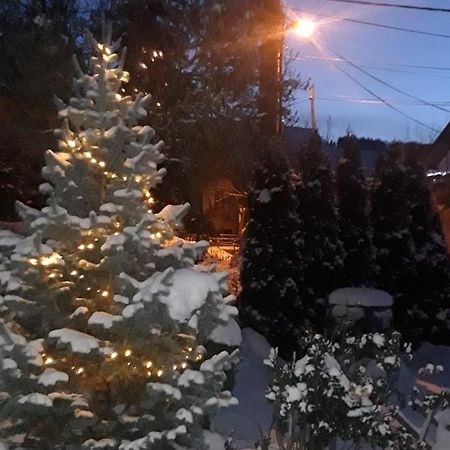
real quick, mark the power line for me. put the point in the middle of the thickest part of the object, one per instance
(385, 102)
(409, 72)
(394, 5)
(369, 65)
(367, 101)
(377, 63)
(381, 25)
(390, 86)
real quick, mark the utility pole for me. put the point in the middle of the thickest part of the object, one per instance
(270, 70)
(312, 99)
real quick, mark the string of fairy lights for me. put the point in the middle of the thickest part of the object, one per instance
(56, 267)
(126, 356)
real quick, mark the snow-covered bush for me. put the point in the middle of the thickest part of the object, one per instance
(339, 392)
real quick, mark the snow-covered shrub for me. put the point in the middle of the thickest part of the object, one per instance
(339, 392)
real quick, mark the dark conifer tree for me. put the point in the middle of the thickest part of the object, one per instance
(353, 214)
(270, 301)
(392, 239)
(323, 255)
(35, 35)
(431, 309)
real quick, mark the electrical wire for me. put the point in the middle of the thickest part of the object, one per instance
(385, 102)
(377, 63)
(367, 101)
(367, 65)
(390, 86)
(380, 25)
(394, 5)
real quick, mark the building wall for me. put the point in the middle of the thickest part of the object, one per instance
(445, 220)
(221, 207)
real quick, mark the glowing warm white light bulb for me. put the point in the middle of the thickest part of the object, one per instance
(80, 370)
(305, 27)
(81, 247)
(71, 144)
(90, 246)
(33, 261)
(114, 355)
(128, 353)
(102, 164)
(105, 294)
(159, 373)
(73, 273)
(52, 259)
(48, 360)
(148, 364)
(183, 365)
(88, 154)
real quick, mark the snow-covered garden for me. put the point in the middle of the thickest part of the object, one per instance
(116, 333)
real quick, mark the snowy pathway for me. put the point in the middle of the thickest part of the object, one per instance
(243, 422)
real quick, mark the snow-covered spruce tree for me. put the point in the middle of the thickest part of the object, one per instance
(323, 254)
(430, 312)
(353, 214)
(102, 344)
(270, 301)
(392, 239)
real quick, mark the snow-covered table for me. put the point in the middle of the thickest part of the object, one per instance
(367, 308)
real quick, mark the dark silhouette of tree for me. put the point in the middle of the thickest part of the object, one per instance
(270, 300)
(353, 215)
(392, 237)
(323, 254)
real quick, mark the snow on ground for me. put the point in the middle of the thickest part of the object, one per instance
(214, 440)
(245, 421)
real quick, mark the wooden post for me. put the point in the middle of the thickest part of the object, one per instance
(270, 73)
(312, 99)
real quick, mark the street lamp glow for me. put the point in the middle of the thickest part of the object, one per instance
(305, 27)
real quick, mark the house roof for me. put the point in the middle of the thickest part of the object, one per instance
(439, 149)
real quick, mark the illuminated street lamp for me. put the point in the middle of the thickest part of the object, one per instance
(305, 27)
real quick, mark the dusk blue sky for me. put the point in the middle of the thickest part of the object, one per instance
(369, 46)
